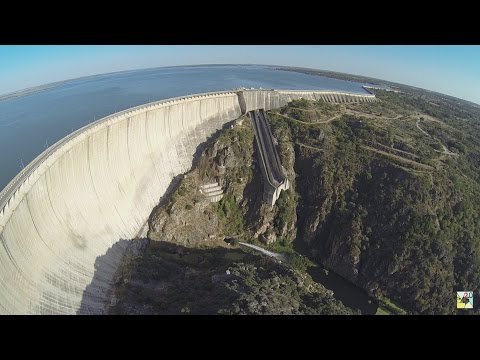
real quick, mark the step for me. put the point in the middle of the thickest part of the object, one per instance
(216, 198)
(207, 186)
(209, 190)
(214, 193)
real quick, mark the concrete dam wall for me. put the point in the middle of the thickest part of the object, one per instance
(268, 158)
(96, 187)
(273, 99)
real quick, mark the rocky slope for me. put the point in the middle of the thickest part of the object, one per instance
(189, 268)
(381, 206)
(373, 197)
(175, 279)
(190, 219)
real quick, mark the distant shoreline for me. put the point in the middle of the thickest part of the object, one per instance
(308, 71)
(368, 81)
(335, 75)
(27, 91)
(43, 87)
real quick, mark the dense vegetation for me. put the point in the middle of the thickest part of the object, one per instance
(382, 206)
(173, 279)
(229, 211)
(386, 194)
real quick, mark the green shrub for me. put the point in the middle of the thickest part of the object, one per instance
(299, 262)
(227, 208)
(286, 213)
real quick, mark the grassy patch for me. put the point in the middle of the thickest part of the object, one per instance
(299, 262)
(382, 311)
(388, 307)
(286, 213)
(280, 246)
(229, 211)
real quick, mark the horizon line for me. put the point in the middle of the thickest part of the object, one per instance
(46, 86)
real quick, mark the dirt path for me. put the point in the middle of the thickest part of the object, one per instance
(445, 149)
(398, 151)
(371, 116)
(399, 158)
(310, 123)
(309, 146)
(346, 111)
(419, 128)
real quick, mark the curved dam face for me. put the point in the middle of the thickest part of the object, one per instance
(94, 190)
(272, 99)
(98, 186)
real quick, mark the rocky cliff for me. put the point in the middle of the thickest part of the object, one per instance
(385, 194)
(381, 205)
(188, 267)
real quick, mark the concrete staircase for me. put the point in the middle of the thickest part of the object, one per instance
(212, 191)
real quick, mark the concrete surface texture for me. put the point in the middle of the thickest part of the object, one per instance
(271, 99)
(212, 191)
(273, 173)
(91, 192)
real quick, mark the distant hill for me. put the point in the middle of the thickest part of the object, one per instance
(370, 80)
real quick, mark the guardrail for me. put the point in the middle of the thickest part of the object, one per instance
(312, 91)
(333, 92)
(14, 185)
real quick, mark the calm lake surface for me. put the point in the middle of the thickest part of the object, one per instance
(31, 123)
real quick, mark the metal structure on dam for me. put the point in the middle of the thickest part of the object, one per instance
(96, 187)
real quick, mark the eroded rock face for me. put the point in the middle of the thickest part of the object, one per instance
(189, 218)
(230, 161)
(382, 223)
(268, 237)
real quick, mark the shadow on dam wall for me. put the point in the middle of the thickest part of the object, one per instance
(98, 294)
(98, 186)
(172, 278)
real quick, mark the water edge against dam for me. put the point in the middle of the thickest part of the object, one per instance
(97, 187)
(31, 122)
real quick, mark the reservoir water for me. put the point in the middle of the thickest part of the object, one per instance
(32, 122)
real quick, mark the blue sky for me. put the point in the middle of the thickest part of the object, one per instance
(452, 70)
